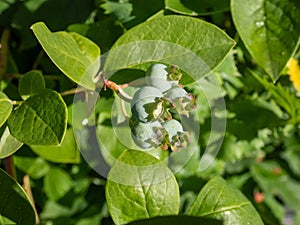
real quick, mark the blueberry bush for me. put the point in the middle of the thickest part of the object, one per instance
(172, 112)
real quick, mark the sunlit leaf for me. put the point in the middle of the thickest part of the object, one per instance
(31, 83)
(66, 152)
(137, 186)
(76, 56)
(169, 40)
(40, 120)
(219, 200)
(269, 29)
(8, 144)
(5, 108)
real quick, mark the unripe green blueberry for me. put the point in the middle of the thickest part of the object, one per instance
(157, 70)
(157, 76)
(175, 93)
(177, 138)
(147, 135)
(173, 127)
(146, 104)
(161, 84)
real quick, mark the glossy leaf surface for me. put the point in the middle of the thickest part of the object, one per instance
(66, 152)
(40, 120)
(219, 200)
(31, 83)
(177, 220)
(76, 56)
(8, 144)
(269, 29)
(15, 206)
(137, 186)
(169, 40)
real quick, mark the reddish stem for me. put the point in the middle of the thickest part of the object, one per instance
(10, 167)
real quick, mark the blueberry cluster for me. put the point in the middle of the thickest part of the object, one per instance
(155, 106)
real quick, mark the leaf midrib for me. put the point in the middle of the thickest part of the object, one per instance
(228, 208)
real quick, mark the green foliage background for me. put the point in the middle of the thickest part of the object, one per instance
(260, 153)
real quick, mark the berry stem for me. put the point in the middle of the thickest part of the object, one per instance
(118, 89)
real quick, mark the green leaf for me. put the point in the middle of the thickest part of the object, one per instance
(14, 203)
(242, 125)
(40, 120)
(76, 56)
(36, 167)
(297, 217)
(283, 97)
(57, 183)
(178, 7)
(31, 83)
(269, 29)
(66, 152)
(5, 108)
(6, 221)
(277, 183)
(292, 156)
(140, 186)
(169, 40)
(271, 209)
(8, 144)
(219, 200)
(177, 220)
(122, 10)
(195, 8)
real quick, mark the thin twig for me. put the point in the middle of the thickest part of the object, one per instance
(38, 59)
(73, 91)
(123, 108)
(4, 52)
(118, 89)
(10, 167)
(27, 189)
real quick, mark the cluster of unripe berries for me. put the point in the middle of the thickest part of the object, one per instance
(155, 107)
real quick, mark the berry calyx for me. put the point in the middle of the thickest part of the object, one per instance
(182, 101)
(176, 137)
(148, 135)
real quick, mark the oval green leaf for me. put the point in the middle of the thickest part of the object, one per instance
(196, 8)
(15, 206)
(66, 152)
(196, 48)
(40, 120)
(220, 201)
(8, 144)
(31, 83)
(177, 220)
(57, 183)
(5, 108)
(178, 7)
(269, 29)
(140, 186)
(35, 167)
(76, 56)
